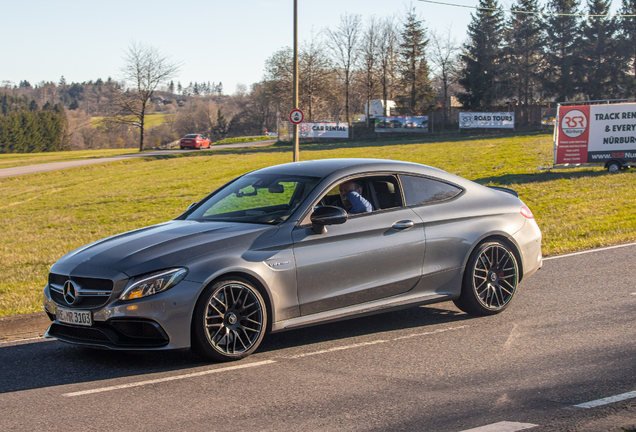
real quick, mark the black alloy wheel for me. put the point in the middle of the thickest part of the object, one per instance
(230, 321)
(490, 280)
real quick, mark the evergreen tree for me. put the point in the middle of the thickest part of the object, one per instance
(628, 45)
(482, 57)
(524, 53)
(413, 66)
(602, 66)
(562, 32)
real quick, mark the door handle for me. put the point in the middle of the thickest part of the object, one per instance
(400, 225)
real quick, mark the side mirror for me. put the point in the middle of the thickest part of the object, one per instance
(191, 205)
(327, 215)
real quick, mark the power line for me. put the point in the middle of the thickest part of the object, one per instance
(530, 13)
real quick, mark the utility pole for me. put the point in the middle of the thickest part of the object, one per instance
(296, 146)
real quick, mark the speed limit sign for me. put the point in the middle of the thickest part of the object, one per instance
(296, 116)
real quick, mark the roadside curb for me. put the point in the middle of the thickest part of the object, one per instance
(23, 326)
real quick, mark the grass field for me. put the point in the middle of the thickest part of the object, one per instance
(242, 140)
(10, 160)
(47, 215)
(151, 120)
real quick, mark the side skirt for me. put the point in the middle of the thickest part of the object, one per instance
(370, 308)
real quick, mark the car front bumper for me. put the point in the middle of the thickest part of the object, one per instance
(161, 321)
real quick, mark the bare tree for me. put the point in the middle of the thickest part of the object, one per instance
(444, 58)
(314, 71)
(369, 63)
(144, 70)
(343, 43)
(387, 50)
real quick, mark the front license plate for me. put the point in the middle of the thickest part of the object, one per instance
(76, 317)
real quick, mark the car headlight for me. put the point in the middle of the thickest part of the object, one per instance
(153, 283)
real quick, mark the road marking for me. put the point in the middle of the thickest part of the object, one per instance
(249, 365)
(503, 426)
(172, 378)
(607, 400)
(374, 342)
(589, 251)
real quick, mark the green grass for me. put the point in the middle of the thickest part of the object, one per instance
(47, 215)
(242, 140)
(151, 120)
(10, 160)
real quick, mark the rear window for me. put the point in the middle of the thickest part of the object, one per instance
(191, 136)
(422, 190)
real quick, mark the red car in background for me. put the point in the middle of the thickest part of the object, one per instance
(195, 141)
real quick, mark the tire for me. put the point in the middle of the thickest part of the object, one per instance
(230, 321)
(613, 167)
(490, 279)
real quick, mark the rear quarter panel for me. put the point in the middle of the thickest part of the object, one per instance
(454, 228)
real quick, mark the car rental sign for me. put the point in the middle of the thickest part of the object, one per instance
(499, 120)
(595, 133)
(324, 130)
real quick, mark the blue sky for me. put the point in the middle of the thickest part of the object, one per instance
(216, 41)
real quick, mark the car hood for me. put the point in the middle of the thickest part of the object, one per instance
(160, 246)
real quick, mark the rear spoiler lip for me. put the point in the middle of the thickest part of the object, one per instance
(503, 189)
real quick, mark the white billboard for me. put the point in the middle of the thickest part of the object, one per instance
(323, 130)
(501, 120)
(595, 133)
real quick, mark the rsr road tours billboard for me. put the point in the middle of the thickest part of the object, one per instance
(595, 133)
(499, 120)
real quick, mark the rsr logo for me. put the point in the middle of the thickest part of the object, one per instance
(574, 123)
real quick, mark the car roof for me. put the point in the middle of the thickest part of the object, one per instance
(324, 167)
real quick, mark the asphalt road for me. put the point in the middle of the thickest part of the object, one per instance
(53, 166)
(568, 338)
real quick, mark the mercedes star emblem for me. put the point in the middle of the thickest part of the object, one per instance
(70, 292)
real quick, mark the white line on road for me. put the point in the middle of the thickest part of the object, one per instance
(374, 342)
(172, 378)
(262, 363)
(589, 251)
(607, 400)
(503, 426)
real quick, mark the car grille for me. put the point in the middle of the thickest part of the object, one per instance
(114, 333)
(78, 333)
(102, 288)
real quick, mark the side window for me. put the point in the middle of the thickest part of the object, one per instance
(375, 193)
(422, 190)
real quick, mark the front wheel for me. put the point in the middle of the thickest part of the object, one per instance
(229, 321)
(490, 280)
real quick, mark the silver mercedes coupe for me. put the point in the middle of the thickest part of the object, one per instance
(295, 245)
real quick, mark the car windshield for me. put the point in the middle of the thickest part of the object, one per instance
(191, 136)
(256, 198)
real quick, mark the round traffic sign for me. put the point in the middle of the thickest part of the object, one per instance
(296, 116)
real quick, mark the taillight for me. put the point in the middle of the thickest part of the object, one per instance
(525, 211)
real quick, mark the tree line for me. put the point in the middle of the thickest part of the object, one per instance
(562, 52)
(530, 56)
(25, 127)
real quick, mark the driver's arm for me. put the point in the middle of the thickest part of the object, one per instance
(358, 203)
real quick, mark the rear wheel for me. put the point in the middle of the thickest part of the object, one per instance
(490, 279)
(613, 167)
(230, 320)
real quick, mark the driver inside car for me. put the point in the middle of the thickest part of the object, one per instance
(352, 201)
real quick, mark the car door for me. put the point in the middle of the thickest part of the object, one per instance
(370, 256)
